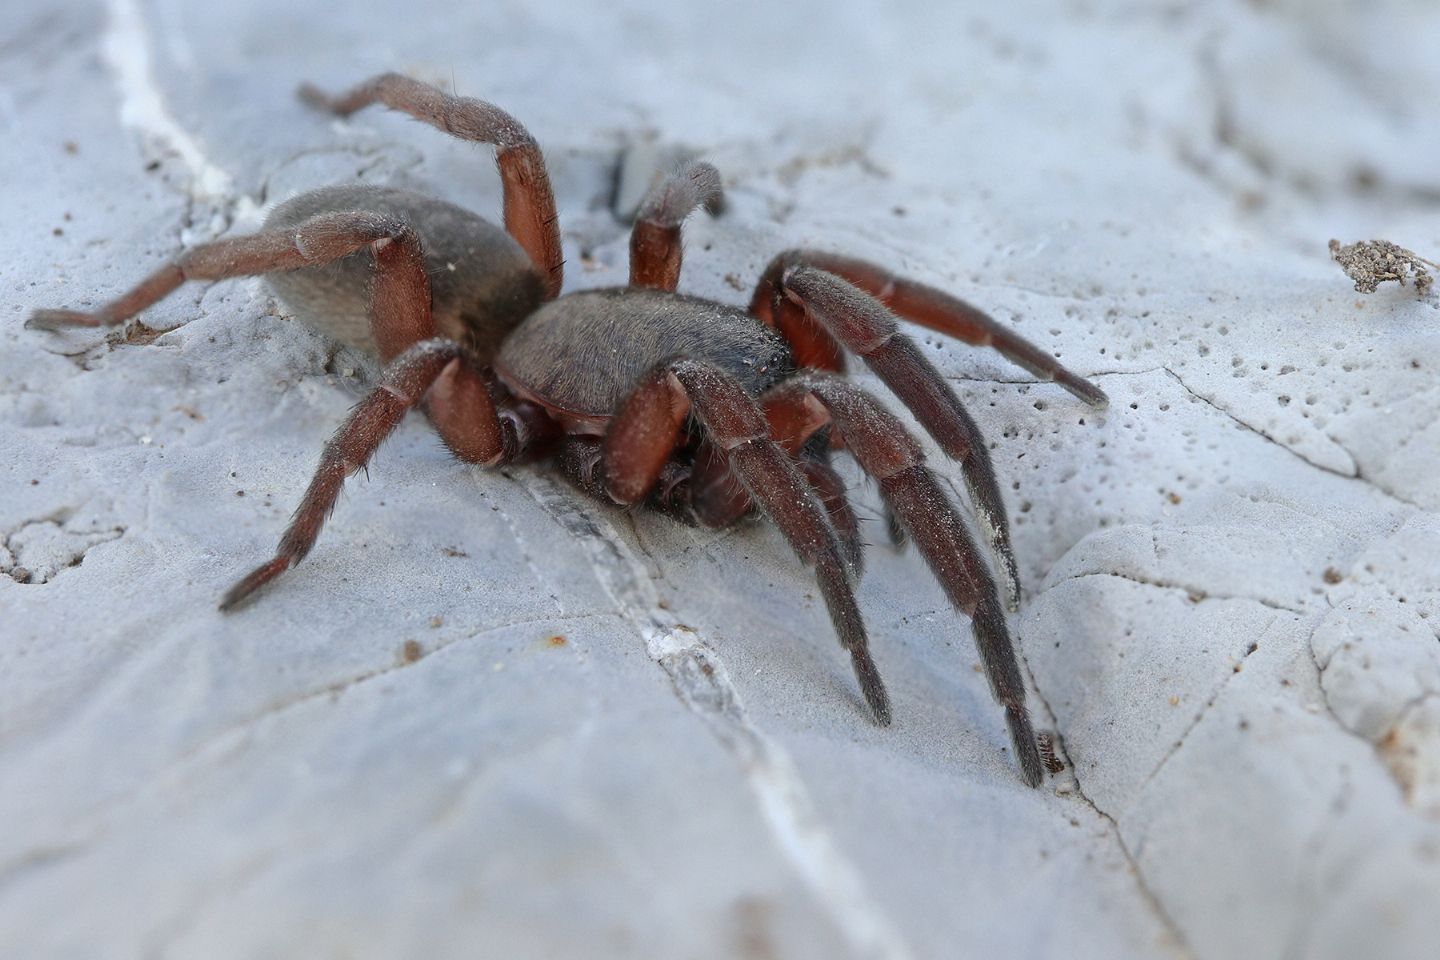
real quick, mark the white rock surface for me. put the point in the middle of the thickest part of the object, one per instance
(1232, 603)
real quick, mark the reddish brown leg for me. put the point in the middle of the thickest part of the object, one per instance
(928, 307)
(815, 467)
(316, 241)
(580, 459)
(737, 429)
(234, 257)
(864, 326)
(887, 453)
(718, 499)
(812, 346)
(399, 300)
(643, 434)
(529, 201)
(655, 241)
(490, 439)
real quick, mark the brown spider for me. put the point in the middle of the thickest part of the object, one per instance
(640, 395)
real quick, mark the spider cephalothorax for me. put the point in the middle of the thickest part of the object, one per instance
(640, 395)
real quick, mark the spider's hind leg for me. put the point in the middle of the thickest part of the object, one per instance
(436, 372)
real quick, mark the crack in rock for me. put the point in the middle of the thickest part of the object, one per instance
(126, 49)
(703, 685)
(1380, 687)
(1193, 594)
(188, 915)
(1354, 475)
(409, 654)
(163, 779)
(1151, 898)
(1355, 472)
(39, 859)
(1205, 707)
(1408, 749)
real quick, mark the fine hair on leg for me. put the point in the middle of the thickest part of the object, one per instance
(645, 430)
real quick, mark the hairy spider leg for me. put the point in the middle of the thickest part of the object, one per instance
(831, 309)
(529, 201)
(399, 302)
(644, 432)
(815, 467)
(803, 434)
(928, 307)
(233, 257)
(889, 455)
(437, 372)
(491, 439)
(655, 242)
(316, 241)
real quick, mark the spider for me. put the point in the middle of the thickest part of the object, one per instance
(640, 395)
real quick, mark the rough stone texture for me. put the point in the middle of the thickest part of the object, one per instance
(487, 718)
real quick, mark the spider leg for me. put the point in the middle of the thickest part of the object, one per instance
(717, 498)
(316, 241)
(888, 454)
(895, 531)
(529, 200)
(490, 439)
(319, 240)
(399, 300)
(931, 308)
(801, 429)
(651, 419)
(811, 345)
(579, 458)
(830, 489)
(868, 329)
(438, 371)
(655, 239)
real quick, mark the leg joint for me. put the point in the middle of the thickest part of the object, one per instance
(332, 235)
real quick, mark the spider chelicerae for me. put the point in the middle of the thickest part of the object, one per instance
(640, 395)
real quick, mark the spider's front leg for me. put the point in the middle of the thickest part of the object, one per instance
(889, 455)
(825, 309)
(639, 444)
(925, 305)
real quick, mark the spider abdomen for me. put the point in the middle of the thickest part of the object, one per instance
(482, 284)
(581, 354)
